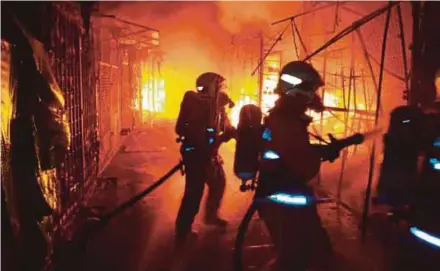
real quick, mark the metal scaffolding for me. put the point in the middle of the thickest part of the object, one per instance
(352, 82)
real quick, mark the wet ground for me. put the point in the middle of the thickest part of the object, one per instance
(141, 239)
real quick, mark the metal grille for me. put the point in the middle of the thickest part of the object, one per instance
(90, 114)
(104, 111)
(126, 93)
(109, 96)
(65, 54)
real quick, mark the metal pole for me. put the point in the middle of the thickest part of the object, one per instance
(367, 58)
(355, 25)
(402, 43)
(278, 39)
(307, 12)
(345, 151)
(416, 53)
(294, 41)
(261, 71)
(139, 71)
(343, 88)
(127, 22)
(299, 37)
(373, 151)
(121, 85)
(366, 98)
(321, 121)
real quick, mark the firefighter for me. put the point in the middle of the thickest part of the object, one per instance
(426, 203)
(399, 169)
(203, 126)
(296, 232)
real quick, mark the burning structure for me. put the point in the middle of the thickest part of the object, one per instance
(249, 49)
(117, 71)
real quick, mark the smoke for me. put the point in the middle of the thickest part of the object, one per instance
(196, 37)
(250, 17)
(239, 17)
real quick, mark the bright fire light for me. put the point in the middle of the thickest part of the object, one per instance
(153, 97)
(268, 101)
(331, 100)
(235, 112)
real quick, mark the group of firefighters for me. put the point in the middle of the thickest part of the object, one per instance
(202, 125)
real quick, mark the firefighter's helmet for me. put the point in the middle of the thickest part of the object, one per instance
(210, 82)
(298, 77)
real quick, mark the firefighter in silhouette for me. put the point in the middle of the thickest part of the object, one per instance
(203, 126)
(411, 188)
(426, 203)
(402, 144)
(287, 168)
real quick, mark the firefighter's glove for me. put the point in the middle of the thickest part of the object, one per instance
(228, 134)
(329, 152)
(332, 150)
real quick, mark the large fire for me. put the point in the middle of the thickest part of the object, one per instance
(330, 100)
(235, 112)
(152, 96)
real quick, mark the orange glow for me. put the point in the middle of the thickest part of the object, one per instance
(268, 101)
(155, 35)
(437, 86)
(155, 42)
(235, 112)
(331, 100)
(270, 81)
(224, 37)
(153, 97)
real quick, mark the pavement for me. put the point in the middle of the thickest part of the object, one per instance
(141, 238)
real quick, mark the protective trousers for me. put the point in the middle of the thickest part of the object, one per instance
(200, 170)
(300, 241)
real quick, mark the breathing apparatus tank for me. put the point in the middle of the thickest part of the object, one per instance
(187, 117)
(249, 143)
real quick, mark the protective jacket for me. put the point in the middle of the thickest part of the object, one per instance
(286, 135)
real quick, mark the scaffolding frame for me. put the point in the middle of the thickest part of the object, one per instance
(373, 109)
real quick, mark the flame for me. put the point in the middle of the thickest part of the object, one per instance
(234, 114)
(153, 97)
(331, 99)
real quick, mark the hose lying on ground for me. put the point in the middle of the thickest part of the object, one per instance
(239, 240)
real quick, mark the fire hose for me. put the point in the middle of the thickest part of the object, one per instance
(237, 257)
(95, 223)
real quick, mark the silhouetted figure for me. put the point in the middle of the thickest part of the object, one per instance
(203, 126)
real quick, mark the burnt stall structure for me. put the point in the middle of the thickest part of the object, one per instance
(58, 68)
(129, 58)
(343, 44)
(367, 74)
(63, 64)
(49, 58)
